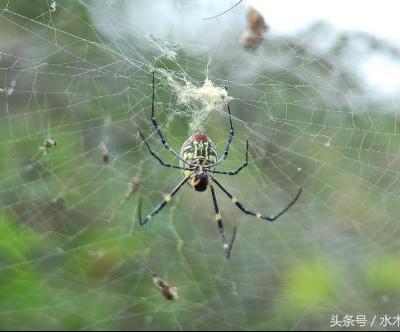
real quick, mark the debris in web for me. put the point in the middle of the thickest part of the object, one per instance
(256, 27)
(327, 144)
(210, 97)
(105, 153)
(170, 293)
(199, 101)
(208, 94)
(133, 186)
(53, 6)
(49, 143)
(11, 87)
(167, 49)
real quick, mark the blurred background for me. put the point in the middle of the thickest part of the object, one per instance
(315, 91)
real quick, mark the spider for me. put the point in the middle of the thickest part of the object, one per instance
(197, 160)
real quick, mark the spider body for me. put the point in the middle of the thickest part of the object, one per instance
(199, 152)
(197, 161)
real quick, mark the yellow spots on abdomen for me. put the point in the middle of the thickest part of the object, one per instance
(187, 156)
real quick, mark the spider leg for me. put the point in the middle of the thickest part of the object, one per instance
(158, 158)
(218, 218)
(159, 206)
(256, 214)
(156, 126)
(230, 138)
(224, 12)
(240, 168)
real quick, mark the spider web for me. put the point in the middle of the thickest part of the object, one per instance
(72, 253)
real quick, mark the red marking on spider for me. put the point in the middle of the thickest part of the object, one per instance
(201, 138)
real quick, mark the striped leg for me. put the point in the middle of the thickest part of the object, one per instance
(240, 168)
(163, 140)
(159, 206)
(256, 214)
(218, 218)
(158, 158)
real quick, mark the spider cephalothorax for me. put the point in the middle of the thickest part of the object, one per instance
(197, 160)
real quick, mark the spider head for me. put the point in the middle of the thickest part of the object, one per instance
(199, 181)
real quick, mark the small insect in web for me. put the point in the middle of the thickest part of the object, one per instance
(11, 87)
(133, 186)
(256, 27)
(53, 6)
(49, 143)
(170, 293)
(197, 160)
(105, 153)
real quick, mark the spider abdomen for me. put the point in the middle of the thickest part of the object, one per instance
(199, 149)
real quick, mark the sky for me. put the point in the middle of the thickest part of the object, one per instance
(181, 21)
(379, 18)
